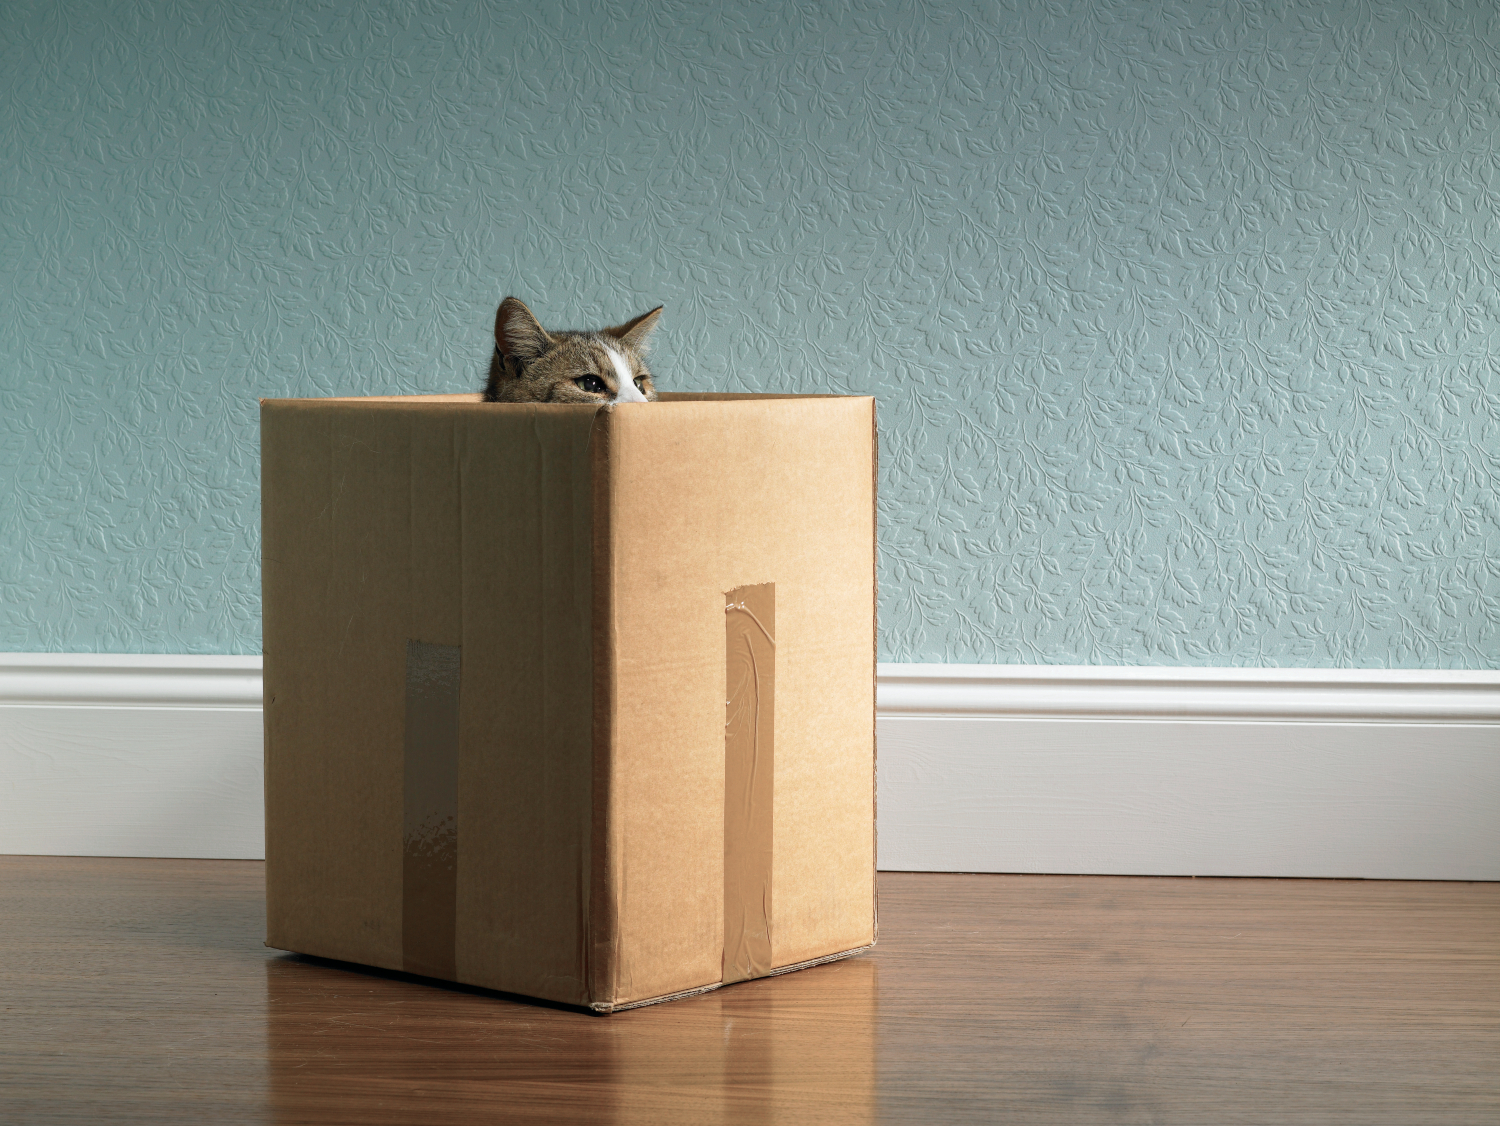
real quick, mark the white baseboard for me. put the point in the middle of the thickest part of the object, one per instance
(1380, 774)
(130, 756)
(983, 768)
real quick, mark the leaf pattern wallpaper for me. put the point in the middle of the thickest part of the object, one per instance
(1182, 316)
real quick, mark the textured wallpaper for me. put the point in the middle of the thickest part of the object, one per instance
(1182, 317)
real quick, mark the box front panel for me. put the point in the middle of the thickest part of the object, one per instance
(459, 533)
(709, 497)
(337, 604)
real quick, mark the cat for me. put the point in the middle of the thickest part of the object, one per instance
(532, 365)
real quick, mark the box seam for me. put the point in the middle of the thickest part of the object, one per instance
(602, 942)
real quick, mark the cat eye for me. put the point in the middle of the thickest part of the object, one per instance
(592, 384)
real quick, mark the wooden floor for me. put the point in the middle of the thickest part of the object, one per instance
(138, 990)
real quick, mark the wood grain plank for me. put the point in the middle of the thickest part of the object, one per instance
(138, 991)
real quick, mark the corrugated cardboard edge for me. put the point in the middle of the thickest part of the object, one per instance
(268, 833)
(603, 1008)
(874, 666)
(602, 961)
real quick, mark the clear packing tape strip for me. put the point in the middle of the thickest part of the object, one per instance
(749, 778)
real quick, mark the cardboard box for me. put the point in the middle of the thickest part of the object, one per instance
(570, 702)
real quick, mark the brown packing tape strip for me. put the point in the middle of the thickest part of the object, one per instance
(749, 778)
(429, 883)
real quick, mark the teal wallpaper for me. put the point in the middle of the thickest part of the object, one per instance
(1182, 316)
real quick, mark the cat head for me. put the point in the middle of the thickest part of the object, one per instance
(532, 365)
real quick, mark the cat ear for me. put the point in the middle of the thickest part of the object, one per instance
(637, 333)
(518, 333)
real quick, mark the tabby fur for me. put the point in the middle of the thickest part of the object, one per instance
(532, 365)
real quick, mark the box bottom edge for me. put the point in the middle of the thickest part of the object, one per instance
(604, 1008)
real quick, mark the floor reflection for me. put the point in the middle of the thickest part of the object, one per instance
(347, 1044)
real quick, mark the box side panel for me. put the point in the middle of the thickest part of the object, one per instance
(709, 497)
(525, 811)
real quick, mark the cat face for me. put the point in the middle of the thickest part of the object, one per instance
(532, 365)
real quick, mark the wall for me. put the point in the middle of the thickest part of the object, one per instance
(1182, 317)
